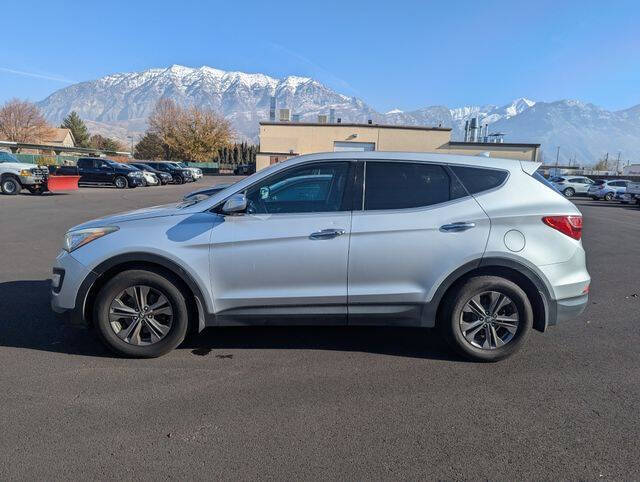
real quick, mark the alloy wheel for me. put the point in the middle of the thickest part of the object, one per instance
(141, 315)
(489, 320)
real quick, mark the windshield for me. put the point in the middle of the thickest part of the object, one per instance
(6, 157)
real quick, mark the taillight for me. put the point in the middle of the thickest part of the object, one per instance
(569, 225)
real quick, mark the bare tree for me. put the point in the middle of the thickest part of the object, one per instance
(22, 121)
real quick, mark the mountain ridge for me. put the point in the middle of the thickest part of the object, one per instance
(119, 104)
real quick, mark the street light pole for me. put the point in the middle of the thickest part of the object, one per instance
(557, 156)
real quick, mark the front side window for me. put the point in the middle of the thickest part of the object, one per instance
(317, 187)
(401, 185)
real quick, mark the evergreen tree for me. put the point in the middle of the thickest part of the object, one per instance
(74, 123)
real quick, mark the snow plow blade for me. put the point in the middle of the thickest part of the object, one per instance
(62, 183)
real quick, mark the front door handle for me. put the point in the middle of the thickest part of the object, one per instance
(327, 234)
(457, 227)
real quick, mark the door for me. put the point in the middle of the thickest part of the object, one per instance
(104, 173)
(416, 226)
(287, 255)
(342, 146)
(580, 184)
(86, 170)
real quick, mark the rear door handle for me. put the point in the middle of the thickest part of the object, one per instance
(327, 234)
(457, 227)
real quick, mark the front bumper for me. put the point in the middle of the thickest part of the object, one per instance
(70, 284)
(33, 180)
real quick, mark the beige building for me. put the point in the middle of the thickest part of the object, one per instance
(59, 136)
(281, 140)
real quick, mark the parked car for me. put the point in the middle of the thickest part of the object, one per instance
(105, 172)
(179, 175)
(244, 169)
(572, 185)
(16, 175)
(195, 171)
(633, 192)
(477, 247)
(150, 179)
(206, 191)
(607, 189)
(163, 177)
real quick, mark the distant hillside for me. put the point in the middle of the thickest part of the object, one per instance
(118, 105)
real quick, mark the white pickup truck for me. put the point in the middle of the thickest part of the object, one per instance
(16, 175)
(632, 193)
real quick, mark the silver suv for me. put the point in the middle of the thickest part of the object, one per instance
(482, 249)
(570, 186)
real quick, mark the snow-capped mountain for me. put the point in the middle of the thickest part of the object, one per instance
(118, 105)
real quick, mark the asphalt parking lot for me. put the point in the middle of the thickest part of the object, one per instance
(336, 403)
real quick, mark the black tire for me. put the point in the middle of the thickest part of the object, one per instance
(450, 316)
(164, 284)
(121, 182)
(569, 192)
(10, 186)
(608, 196)
(178, 180)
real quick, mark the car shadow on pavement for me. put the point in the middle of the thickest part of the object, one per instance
(383, 340)
(26, 321)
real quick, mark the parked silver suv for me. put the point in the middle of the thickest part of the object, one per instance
(483, 249)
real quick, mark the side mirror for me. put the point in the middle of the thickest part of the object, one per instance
(235, 204)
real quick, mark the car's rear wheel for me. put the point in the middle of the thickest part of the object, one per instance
(487, 318)
(141, 314)
(569, 192)
(178, 179)
(608, 196)
(10, 186)
(120, 182)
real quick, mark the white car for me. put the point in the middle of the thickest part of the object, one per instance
(607, 190)
(16, 175)
(572, 185)
(196, 171)
(481, 249)
(150, 178)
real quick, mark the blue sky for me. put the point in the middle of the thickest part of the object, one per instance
(389, 53)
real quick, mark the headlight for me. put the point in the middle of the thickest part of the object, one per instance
(26, 172)
(74, 239)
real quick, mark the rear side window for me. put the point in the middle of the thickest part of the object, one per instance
(401, 185)
(478, 179)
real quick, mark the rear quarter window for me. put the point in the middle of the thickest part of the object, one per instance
(479, 179)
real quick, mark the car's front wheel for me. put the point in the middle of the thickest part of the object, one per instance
(120, 182)
(141, 314)
(487, 318)
(10, 186)
(608, 196)
(569, 192)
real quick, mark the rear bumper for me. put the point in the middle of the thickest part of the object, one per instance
(568, 309)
